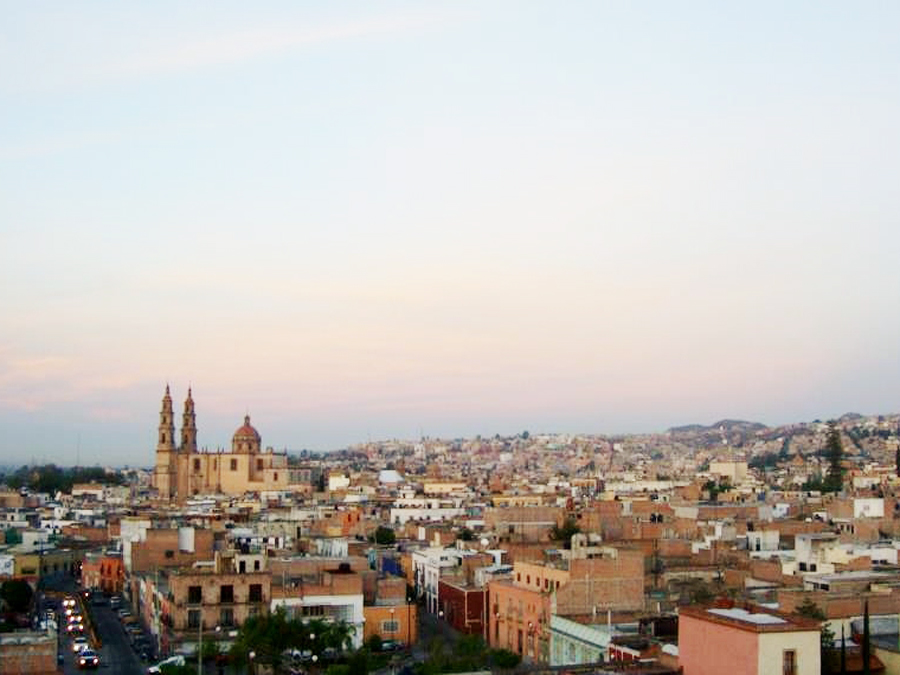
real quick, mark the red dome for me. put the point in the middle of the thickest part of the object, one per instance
(246, 431)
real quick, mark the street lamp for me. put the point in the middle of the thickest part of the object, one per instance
(251, 656)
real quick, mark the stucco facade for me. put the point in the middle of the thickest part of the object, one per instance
(759, 642)
(183, 471)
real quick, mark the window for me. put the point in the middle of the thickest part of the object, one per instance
(392, 626)
(234, 465)
(193, 618)
(789, 662)
(226, 593)
(170, 554)
(196, 465)
(276, 475)
(255, 593)
(256, 565)
(226, 617)
(259, 465)
(195, 595)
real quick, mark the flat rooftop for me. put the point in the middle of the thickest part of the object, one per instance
(757, 618)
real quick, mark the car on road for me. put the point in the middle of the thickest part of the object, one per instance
(79, 644)
(115, 602)
(391, 646)
(88, 659)
(176, 660)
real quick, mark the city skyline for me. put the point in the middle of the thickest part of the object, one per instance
(455, 219)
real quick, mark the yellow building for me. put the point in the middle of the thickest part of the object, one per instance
(182, 471)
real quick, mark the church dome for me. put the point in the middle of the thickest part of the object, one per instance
(246, 438)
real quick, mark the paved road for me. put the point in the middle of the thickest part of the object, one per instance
(116, 653)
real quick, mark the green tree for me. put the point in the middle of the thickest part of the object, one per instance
(465, 534)
(827, 653)
(564, 534)
(16, 595)
(866, 645)
(834, 452)
(810, 610)
(505, 659)
(373, 643)
(385, 536)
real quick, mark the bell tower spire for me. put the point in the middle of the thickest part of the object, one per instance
(189, 426)
(166, 440)
(163, 476)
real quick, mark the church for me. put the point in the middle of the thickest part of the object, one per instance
(182, 471)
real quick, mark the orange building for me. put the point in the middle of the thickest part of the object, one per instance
(106, 573)
(395, 622)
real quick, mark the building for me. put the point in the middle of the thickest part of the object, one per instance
(28, 652)
(103, 572)
(183, 471)
(759, 642)
(326, 590)
(213, 598)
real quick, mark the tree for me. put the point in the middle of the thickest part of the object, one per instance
(828, 658)
(834, 452)
(385, 536)
(465, 534)
(843, 652)
(810, 610)
(866, 647)
(564, 533)
(17, 595)
(505, 659)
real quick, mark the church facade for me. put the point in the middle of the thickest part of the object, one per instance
(183, 471)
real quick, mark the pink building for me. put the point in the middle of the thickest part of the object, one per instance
(746, 641)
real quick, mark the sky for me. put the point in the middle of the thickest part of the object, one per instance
(363, 220)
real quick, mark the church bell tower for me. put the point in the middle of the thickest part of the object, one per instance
(164, 474)
(189, 426)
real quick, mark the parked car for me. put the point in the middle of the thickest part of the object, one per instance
(177, 660)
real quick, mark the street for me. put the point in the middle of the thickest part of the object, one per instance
(116, 654)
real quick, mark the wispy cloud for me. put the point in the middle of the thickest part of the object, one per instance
(244, 46)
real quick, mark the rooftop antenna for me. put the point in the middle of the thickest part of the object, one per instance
(78, 451)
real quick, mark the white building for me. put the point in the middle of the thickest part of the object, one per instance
(427, 566)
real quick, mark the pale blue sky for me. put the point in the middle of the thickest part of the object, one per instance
(368, 220)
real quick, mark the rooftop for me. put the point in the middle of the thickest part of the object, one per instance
(759, 618)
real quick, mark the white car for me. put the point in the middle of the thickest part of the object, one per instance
(79, 644)
(177, 660)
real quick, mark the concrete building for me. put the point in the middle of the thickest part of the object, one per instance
(759, 642)
(28, 653)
